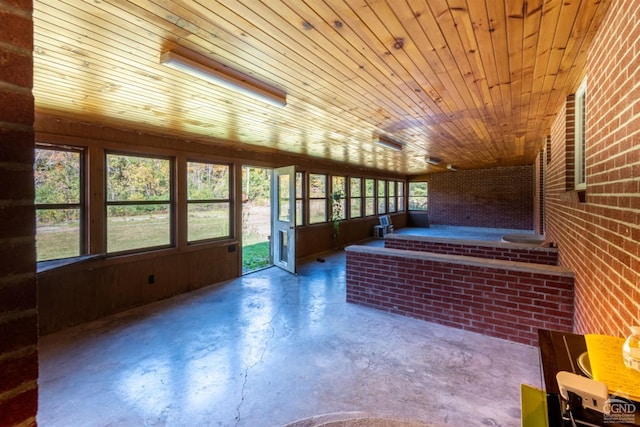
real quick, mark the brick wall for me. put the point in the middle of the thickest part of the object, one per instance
(503, 299)
(476, 248)
(18, 295)
(600, 239)
(498, 197)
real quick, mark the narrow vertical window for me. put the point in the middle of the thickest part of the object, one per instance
(139, 199)
(400, 196)
(391, 197)
(382, 197)
(58, 177)
(580, 141)
(300, 198)
(355, 197)
(418, 196)
(317, 198)
(338, 197)
(370, 197)
(208, 201)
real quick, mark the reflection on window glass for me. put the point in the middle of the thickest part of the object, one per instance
(58, 193)
(138, 202)
(400, 196)
(208, 201)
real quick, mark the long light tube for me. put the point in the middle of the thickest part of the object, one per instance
(389, 143)
(221, 75)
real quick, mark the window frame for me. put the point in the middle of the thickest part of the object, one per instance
(81, 205)
(369, 197)
(412, 196)
(171, 202)
(228, 201)
(381, 197)
(323, 198)
(358, 198)
(579, 146)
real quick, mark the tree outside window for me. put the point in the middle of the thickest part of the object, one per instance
(58, 180)
(317, 198)
(139, 213)
(208, 201)
(418, 196)
(355, 197)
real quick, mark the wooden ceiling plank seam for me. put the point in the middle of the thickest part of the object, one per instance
(325, 43)
(387, 74)
(497, 16)
(573, 66)
(455, 53)
(393, 69)
(487, 56)
(365, 37)
(337, 83)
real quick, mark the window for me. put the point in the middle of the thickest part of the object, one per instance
(208, 201)
(382, 196)
(418, 196)
(338, 197)
(300, 198)
(58, 177)
(369, 197)
(355, 197)
(391, 197)
(400, 196)
(580, 140)
(139, 213)
(317, 198)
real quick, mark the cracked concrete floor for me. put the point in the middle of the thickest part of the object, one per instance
(271, 348)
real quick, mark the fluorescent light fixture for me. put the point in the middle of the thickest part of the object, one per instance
(389, 143)
(452, 168)
(433, 160)
(207, 69)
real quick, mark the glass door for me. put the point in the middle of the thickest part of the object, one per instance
(283, 215)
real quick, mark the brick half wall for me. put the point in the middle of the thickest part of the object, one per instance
(503, 299)
(476, 248)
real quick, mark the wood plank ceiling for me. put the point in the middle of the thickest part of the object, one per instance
(472, 82)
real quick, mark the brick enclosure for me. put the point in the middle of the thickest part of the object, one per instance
(476, 248)
(503, 299)
(18, 294)
(599, 238)
(498, 198)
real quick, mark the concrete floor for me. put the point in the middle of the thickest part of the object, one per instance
(271, 348)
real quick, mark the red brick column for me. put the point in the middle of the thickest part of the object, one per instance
(18, 291)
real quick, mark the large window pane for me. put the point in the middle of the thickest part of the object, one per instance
(400, 196)
(207, 181)
(370, 197)
(382, 196)
(418, 196)
(299, 198)
(317, 198)
(391, 198)
(138, 202)
(338, 197)
(132, 178)
(208, 201)
(208, 221)
(58, 202)
(355, 194)
(57, 233)
(132, 227)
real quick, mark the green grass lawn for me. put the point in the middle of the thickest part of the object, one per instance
(255, 256)
(61, 240)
